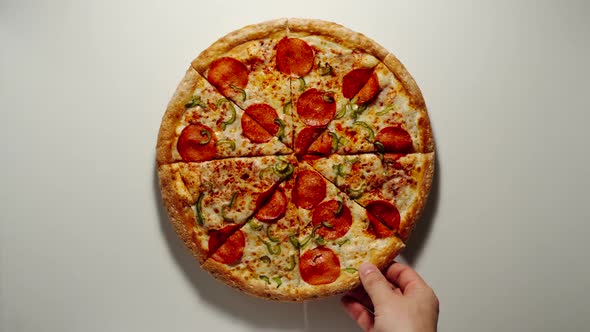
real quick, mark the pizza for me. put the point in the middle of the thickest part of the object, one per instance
(291, 152)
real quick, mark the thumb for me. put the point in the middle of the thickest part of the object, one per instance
(375, 284)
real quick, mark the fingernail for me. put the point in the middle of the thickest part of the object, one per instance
(367, 268)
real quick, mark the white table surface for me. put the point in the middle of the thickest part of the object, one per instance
(85, 245)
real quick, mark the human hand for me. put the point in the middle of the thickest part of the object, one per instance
(401, 299)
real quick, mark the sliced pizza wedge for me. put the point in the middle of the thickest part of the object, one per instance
(382, 113)
(319, 57)
(268, 266)
(208, 202)
(392, 187)
(335, 237)
(200, 124)
(243, 67)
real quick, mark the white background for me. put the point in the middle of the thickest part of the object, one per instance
(85, 245)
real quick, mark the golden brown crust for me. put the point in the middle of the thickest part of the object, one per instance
(224, 273)
(416, 98)
(171, 119)
(425, 182)
(238, 37)
(177, 200)
(339, 33)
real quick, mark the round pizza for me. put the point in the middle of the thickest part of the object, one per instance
(291, 152)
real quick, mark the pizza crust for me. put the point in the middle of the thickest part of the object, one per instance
(178, 200)
(251, 32)
(173, 115)
(339, 33)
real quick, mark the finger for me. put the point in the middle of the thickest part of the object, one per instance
(378, 288)
(405, 277)
(359, 295)
(358, 313)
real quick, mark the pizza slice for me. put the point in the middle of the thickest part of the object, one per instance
(319, 60)
(392, 187)
(243, 67)
(335, 237)
(208, 202)
(268, 266)
(201, 124)
(382, 113)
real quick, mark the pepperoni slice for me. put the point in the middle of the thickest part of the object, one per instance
(227, 74)
(316, 108)
(305, 139)
(368, 91)
(274, 208)
(385, 213)
(197, 142)
(294, 56)
(378, 229)
(265, 115)
(334, 217)
(395, 139)
(310, 189)
(232, 250)
(319, 266)
(354, 81)
(322, 145)
(254, 131)
(218, 237)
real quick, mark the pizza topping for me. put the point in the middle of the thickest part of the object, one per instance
(254, 226)
(310, 189)
(270, 237)
(240, 90)
(274, 250)
(323, 145)
(232, 118)
(379, 147)
(227, 244)
(292, 264)
(356, 192)
(311, 236)
(264, 115)
(342, 112)
(195, 101)
(315, 109)
(384, 217)
(200, 219)
(228, 206)
(354, 81)
(287, 107)
(265, 278)
(294, 241)
(283, 168)
(369, 90)
(197, 143)
(319, 266)
(302, 84)
(294, 56)
(395, 139)
(227, 74)
(281, 132)
(327, 224)
(320, 241)
(254, 131)
(273, 209)
(350, 269)
(339, 210)
(305, 138)
(335, 141)
(356, 110)
(278, 281)
(386, 109)
(326, 212)
(343, 241)
(265, 259)
(369, 129)
(324, 70)
(231, 143)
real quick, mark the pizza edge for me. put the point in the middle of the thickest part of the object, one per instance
(229, 41)
(414, 212)
(178, 208)
(173, 115)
